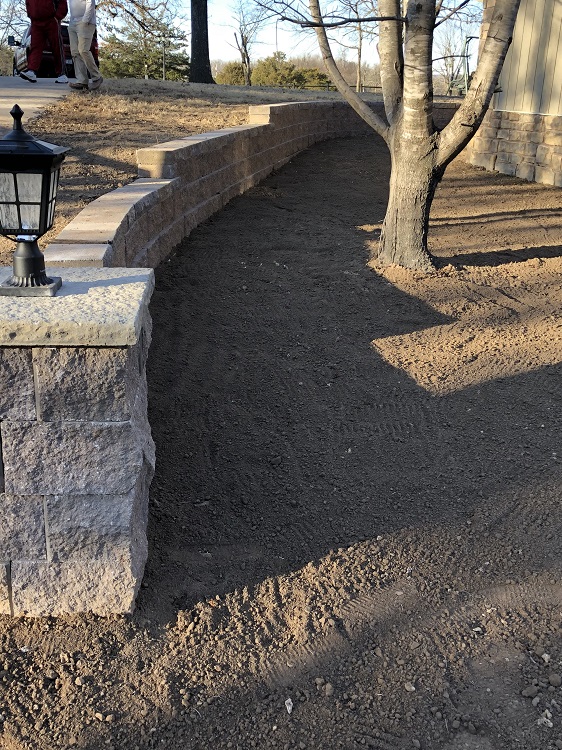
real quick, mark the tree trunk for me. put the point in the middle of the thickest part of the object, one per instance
(413, 182)
(420, 154)
(200, 65)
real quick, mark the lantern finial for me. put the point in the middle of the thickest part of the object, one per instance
(17, 113)
(17, 134)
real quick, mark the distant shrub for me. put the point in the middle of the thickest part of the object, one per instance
(231, 75)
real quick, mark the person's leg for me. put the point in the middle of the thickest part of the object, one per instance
(37, 46)
(85, 36)
(55, 40)
(80, 70)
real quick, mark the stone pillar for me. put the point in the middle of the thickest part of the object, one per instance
(77, 453)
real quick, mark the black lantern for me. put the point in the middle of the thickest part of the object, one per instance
(29, 178)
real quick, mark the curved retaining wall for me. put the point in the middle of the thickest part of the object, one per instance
(183, 182)
(76, 451)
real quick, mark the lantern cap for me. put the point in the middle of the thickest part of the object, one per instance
(20, 141)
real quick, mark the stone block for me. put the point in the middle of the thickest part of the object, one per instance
(147, 194)
(152, 254)
(545, 175)
(90, 228)
(489, 145)
(171, 237)
(259, 114)
(506, 168)
(525, 171)
(78, 255)
(553, 139)
(553, 122)
(22, 530)
(17, 389)
(95, 307)
(138, 236)
(101, 587)
(118, 252)
(530, 149)
(100, 527)
(5, 603)
(58, 458)
(544, 155)
(86, 384)
(486, 132)
(154, 219)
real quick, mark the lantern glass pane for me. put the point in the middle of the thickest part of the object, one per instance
(54, 184)
(7, 189)
(30, 218)
(51, 214)
(29, 187)
(9, 219)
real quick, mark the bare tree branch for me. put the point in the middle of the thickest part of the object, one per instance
(392, 62)
(351, 97)
(451, 13)
(347, 21)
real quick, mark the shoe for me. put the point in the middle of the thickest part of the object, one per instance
(61, 79)
(28, 75)
(96, 83)
(78, 86)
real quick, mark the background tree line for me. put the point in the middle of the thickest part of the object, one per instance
(290, 72)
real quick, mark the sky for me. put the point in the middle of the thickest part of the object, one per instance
(280, 36)
(276, 36)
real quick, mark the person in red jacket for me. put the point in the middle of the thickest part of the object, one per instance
(45, 17)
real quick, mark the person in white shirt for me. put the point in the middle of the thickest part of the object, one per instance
(81, 28)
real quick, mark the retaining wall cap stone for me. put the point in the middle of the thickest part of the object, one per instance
(94, 307)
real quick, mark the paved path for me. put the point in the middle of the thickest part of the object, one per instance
(32, 97)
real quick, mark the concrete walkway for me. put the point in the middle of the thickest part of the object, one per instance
(31, 97)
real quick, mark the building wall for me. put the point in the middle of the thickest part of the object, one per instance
(522, 132)
(531, 79)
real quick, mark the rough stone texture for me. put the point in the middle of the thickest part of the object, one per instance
(99, 586)
(95, 527)
(519, 144)
(5, 608)
(95, 307)
(77, 452)
(97, 551)
(17, 392)
(22, 530)
(52, 458)
(87, 384)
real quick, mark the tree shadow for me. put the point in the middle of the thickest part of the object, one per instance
(501, 257)
(281, 434)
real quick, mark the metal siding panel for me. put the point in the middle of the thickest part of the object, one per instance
(500, 102)
(531, 79)
(522, 51)
(536, 62)
(552, 82)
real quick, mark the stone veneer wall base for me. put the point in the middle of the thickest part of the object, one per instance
(77, 453)
(521, 145)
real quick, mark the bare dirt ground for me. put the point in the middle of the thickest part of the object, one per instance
(355, 531)
(103, 130)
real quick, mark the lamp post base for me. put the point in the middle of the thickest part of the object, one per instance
(7, 289)
(29, 278)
